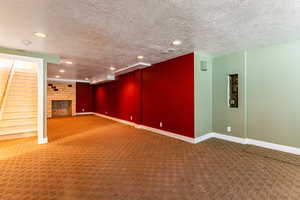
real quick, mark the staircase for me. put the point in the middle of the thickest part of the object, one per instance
(18, 111)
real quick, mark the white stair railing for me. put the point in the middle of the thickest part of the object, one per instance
(6, 90)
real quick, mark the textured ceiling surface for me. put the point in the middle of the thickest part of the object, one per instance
(96, 34)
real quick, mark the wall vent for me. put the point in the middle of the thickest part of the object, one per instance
(203, 65)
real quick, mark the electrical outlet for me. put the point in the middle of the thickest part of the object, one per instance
(228, 129)
(82, 109)
(131, 118)
(160, 124)
(106, 112)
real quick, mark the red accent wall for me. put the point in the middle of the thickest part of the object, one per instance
(83, 97)
(120, 98)
(168, 95)
(163, 93)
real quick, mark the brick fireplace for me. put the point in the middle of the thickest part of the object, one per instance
(61, 99)
(61, 108)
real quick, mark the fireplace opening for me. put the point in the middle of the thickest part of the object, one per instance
(61, 108)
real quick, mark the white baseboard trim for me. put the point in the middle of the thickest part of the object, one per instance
(116, 119)
(84, 113)
(169, 134)
(42, 140)
(230, 138)
(268, 145)
(204, 137)
(154, 130)
(138, 126)
(278, 147)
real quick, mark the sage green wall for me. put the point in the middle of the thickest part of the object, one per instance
(274, 94)
(203, 95)
(48, 58)
(224, 116)
(269, 94)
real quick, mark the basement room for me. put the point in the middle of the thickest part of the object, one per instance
(150, 100)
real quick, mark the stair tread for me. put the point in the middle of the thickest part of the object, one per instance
(16, 132)
(25, 100)
(23, 88)
(19, 98)
(18, 117)
(24, 80)
(27, 120)
(22, 110)
(23, 91)
(27, 78)
(22, 104)
(23, 84)
(27, 72)
(18, 128)
(33, 118)
(18, 77)
(18, 112)
(14, 124)
(27, 81)
(23, 95)
(10, 113)
(27, 75)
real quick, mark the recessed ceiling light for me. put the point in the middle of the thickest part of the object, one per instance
(26, 42)
(40, 35)
(140, 57)
(57, 76)
(69, 62)
(62, 70)
(176, 42)
(112, 68)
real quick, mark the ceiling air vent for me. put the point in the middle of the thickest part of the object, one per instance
(170, 50)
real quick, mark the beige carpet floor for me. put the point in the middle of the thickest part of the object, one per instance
(91, 158)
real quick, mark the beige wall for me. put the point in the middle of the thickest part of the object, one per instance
(64, 93)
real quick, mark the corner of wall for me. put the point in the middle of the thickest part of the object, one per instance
(202, 95)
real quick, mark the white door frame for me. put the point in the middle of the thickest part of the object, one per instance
(42, 94)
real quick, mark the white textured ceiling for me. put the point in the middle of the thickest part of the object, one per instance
(95, 34)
